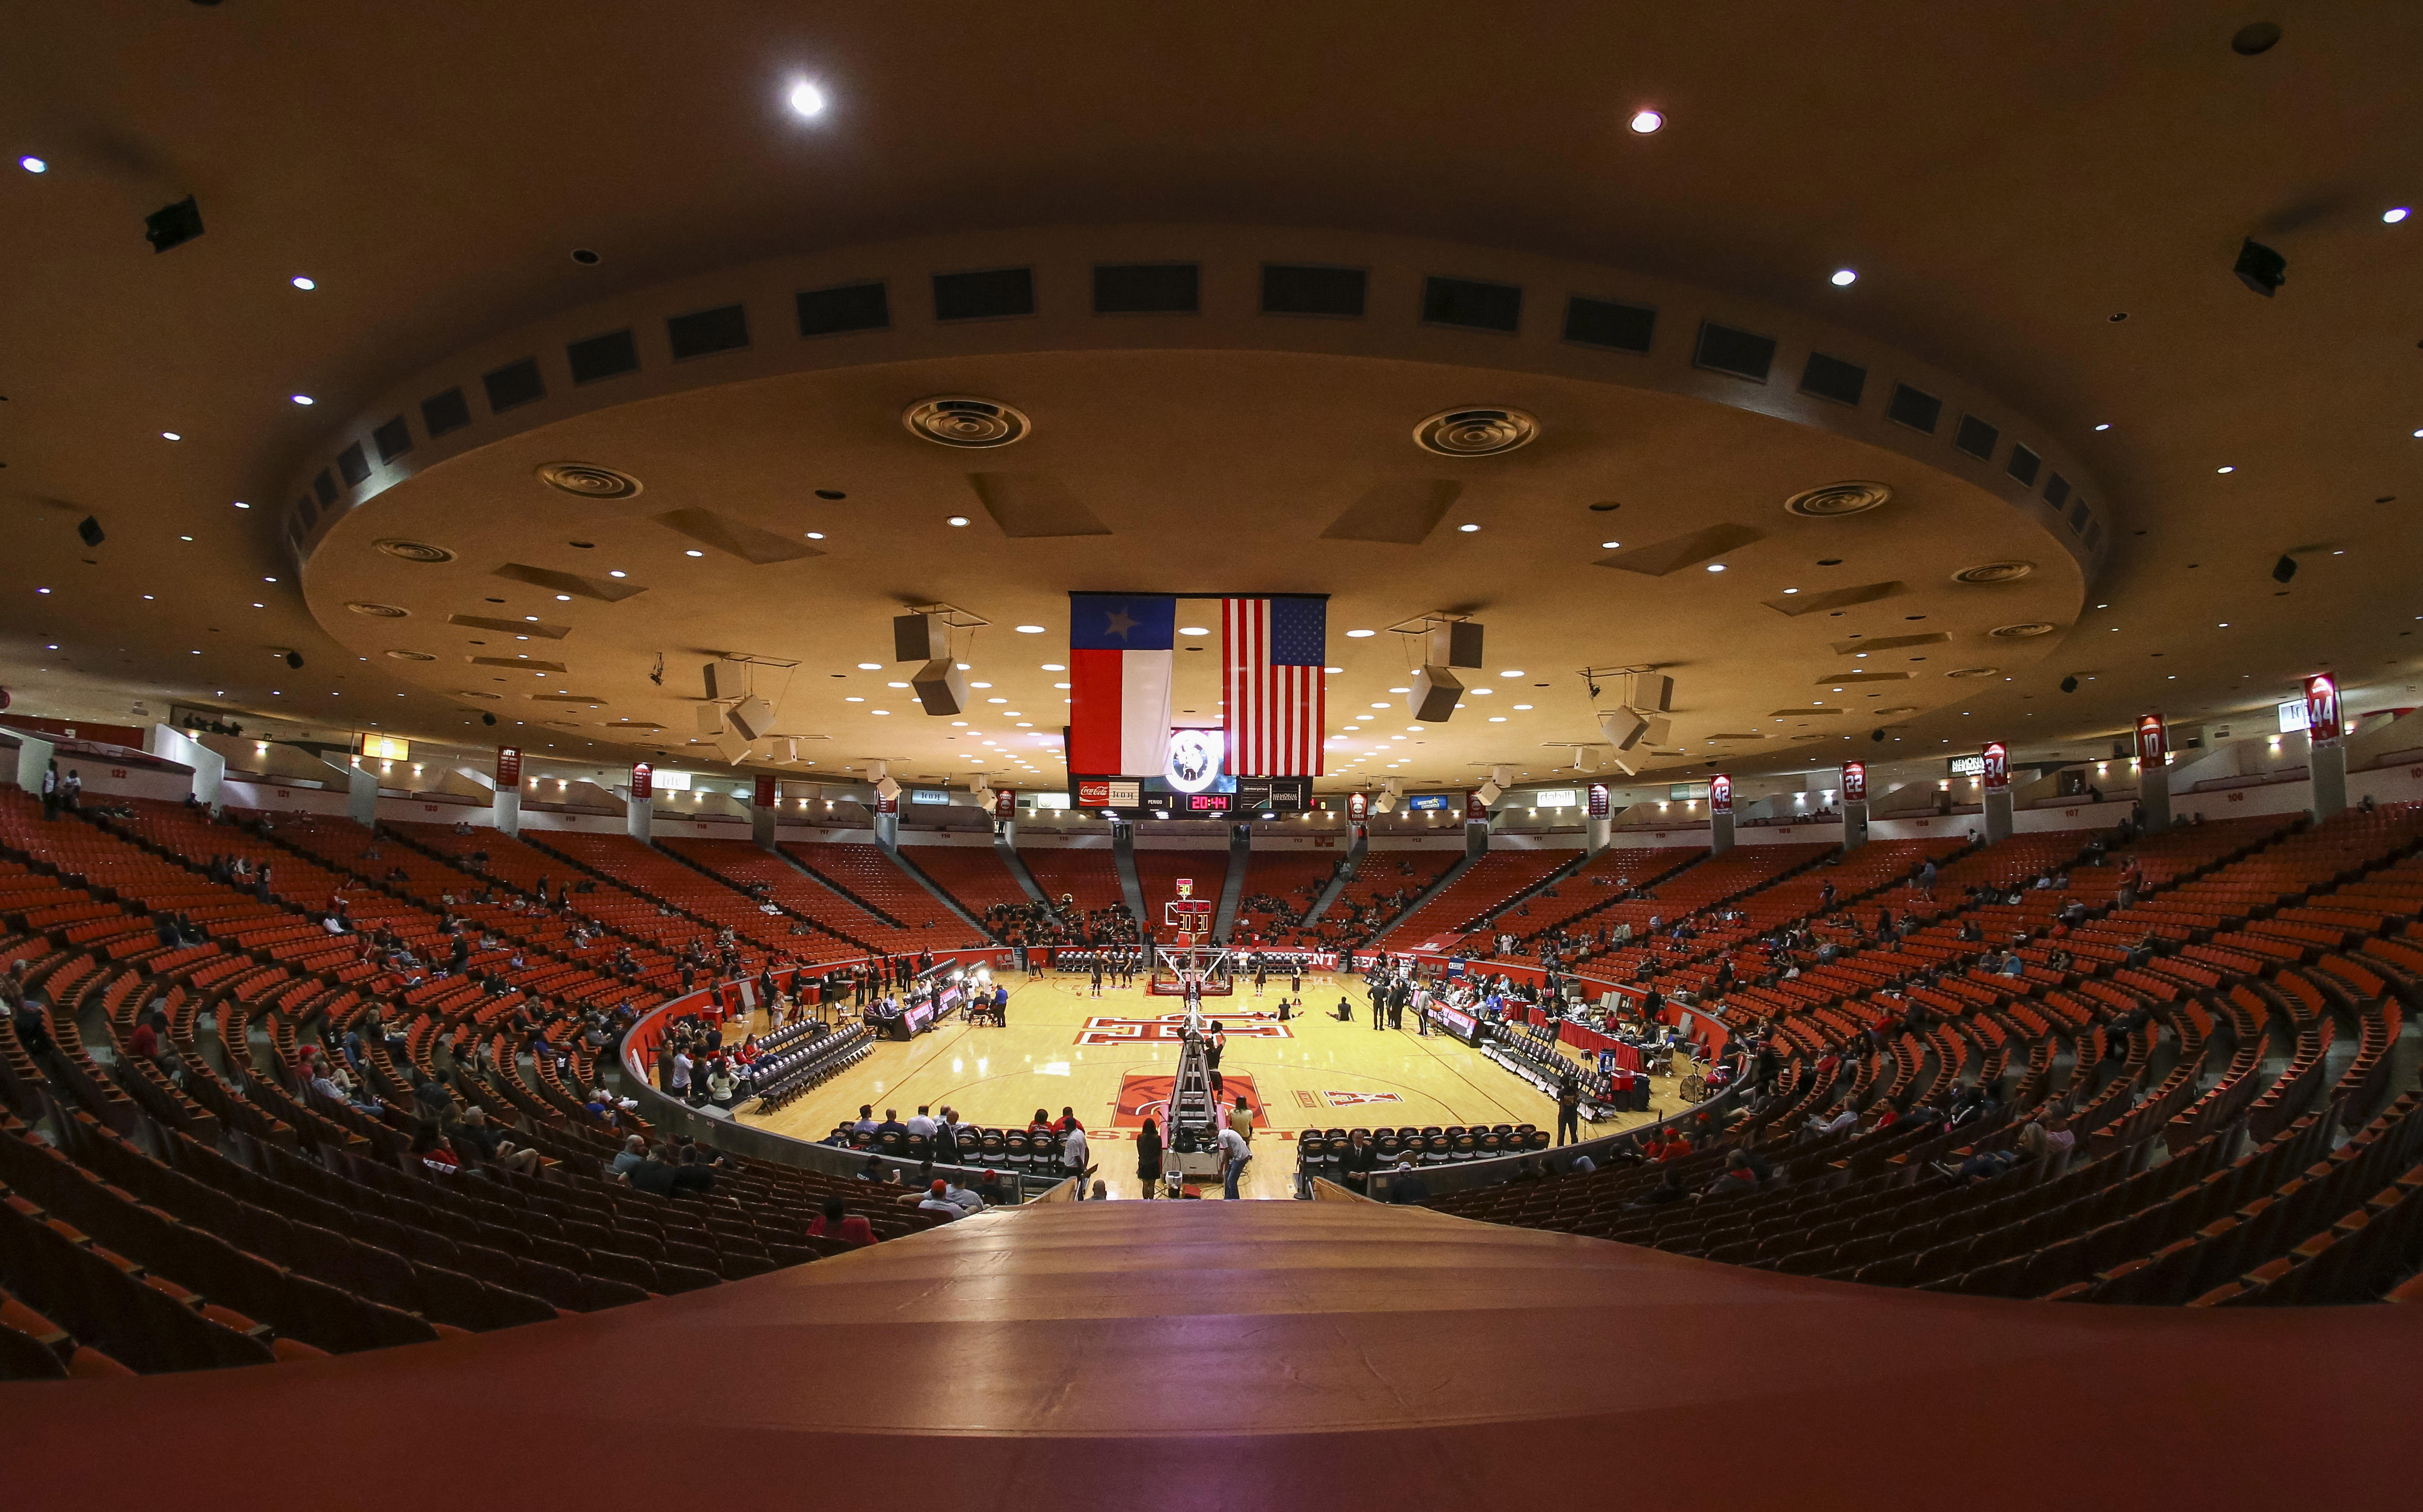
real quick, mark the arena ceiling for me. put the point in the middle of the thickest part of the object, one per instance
(2041, 203)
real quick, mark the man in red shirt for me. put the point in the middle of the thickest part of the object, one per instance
(145, 1041)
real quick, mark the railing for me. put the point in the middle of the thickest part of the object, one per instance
(1464, 1175)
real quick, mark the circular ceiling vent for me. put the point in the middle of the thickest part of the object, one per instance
(1975, 671)
(956, 420)
(411, 655)
(415, 550)
(377, 612)
(1476, 432)
(588, 480)
(472, 693)
(1836, 501)
(2023, 631)
(1994, 572)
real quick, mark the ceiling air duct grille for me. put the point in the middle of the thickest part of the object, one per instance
(1476, 432)
(1834, 500)
(377, 612)
(955, 420)
(587, 479)
(1994, 572)
(419, 551)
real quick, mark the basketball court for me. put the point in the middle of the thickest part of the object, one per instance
(1110, 1057)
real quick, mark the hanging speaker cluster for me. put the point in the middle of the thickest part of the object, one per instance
(926, 639)
(1436, 689)
(1639, 722)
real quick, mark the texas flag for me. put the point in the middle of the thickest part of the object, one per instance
(1120, 647)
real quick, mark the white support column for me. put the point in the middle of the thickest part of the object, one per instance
(361, 794)
(1855, 824)
(506, 808)
(210, 767)
(33, 760)
(1998, 816)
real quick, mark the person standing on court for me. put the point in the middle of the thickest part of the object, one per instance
(1149, 1158)
(1235, 1156)
(1569, 1110)
(1072, 1155)
(1379, 1005)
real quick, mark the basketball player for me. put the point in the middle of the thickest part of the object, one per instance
(1261, 974)
(1098, 977)
(1295, 982)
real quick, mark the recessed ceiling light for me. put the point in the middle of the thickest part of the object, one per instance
(693, 553)
(184, 538)
(2392, 215)
(2106, 426)
(170, 435)
(1644, 122)
(1029, 629)
(1609, 545)
(618, 573)
(806, 100)
(1497, 719)
(957, 519)
(1792, 590)
(1192, 630)
(979, 685)
(242, 505)
(563, 598)
(815, 535)
(2230, 469)
(1053, 667)
(853, 701)
(1844, 277)
(1467, 529)
(531, 618)
(300, 398)
(1360, 635)
(895, 685)
(1511, 671)
(301, 282)
(1716, 566)
(33, 164)
(1522, 705)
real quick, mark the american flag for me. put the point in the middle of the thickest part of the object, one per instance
(1271, 677)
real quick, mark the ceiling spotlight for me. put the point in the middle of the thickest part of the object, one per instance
(1609, 545)
(1716, 566)
(170, 435)
(1030, 629)
(1467, 529)
(693, 553)
(1360, 635)
(1644, 122)
(957, 519)
(33, 164)
(2230, 469)
(2106, 426)
(1183, 630)
(1844, 277)
(300, 398)
(2391, 216)
(806, 100)
(815, 535)
(301, 282)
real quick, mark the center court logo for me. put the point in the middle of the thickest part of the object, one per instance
(1169, 1029)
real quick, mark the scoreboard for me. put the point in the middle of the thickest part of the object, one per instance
(1254, 795)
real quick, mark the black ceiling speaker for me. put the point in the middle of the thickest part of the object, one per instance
(487, 719)
(2284, 569)
(1877, 733)
(2259, 268)
(89, 531)
(173, 225)
(294, 660)
(2069, 684)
